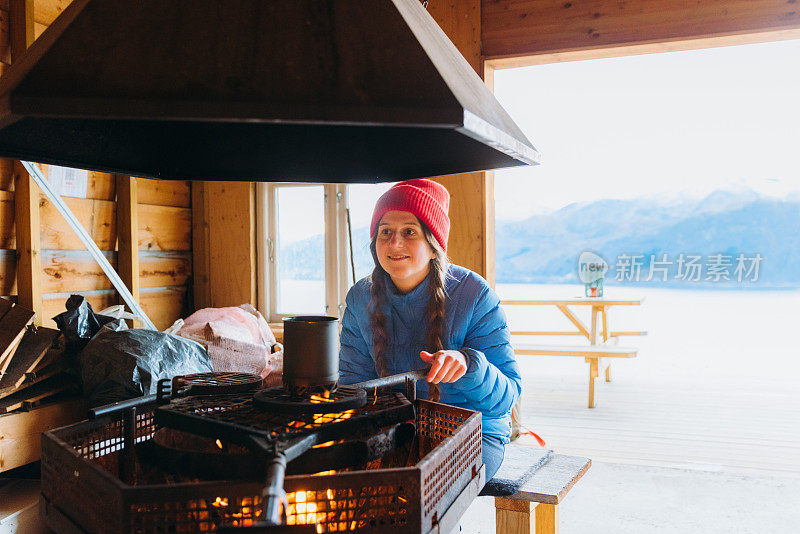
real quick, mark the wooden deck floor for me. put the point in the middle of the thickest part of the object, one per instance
(731, 422)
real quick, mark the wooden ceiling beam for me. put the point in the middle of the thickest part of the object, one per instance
(515, 32)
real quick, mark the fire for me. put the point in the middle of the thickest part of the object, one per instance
(322, 418)
(323, 473)
(219, 444)
(220, 502)
(326, 444)
(316, 399)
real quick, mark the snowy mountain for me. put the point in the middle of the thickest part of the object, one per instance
(544, 248)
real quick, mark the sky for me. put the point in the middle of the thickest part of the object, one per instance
(665, 125)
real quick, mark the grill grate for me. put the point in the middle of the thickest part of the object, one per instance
(78, 472)
(236, 416)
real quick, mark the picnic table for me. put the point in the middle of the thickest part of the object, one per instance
(602, 341)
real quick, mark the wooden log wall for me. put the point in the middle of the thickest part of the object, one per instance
(136, 221)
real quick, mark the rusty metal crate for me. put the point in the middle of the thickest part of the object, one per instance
(80, 486)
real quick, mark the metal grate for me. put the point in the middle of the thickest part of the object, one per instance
(457, 459)
(195, 515)
(235, 416)
(347, 509)
(402, 499)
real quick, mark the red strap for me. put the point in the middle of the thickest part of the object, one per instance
(535, 435)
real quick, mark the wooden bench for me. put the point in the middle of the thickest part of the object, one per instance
(591, 353)
(540, 481)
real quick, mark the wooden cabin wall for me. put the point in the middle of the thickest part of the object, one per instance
(162, 229)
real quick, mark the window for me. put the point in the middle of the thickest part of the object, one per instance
(302, 246)
(305, 265)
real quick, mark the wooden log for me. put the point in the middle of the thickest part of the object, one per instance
(20, 432)
(165, 192)
(164, 228)
(98, 217)
(37, 393)
(12, 327)
(32, 349)
(74, 271)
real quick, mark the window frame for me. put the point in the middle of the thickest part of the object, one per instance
(337, 273)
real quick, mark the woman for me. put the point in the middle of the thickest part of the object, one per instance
(417, 309)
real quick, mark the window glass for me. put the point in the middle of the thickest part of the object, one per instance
(362, 202)
(301, 250)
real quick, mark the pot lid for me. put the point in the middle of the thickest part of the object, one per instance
(290, 90)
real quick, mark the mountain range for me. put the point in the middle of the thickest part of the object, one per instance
(544, 248)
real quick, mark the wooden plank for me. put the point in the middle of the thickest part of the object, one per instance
(32, 349)
(165, 192)
(98, 217)
(201, 255)
(71, 270)
(577, 301)
(471, 242)
(20, 25)
(8, 272)
(12, 328)
(594, 351)
(165, 227)
(20, 432)
(28, 242)
(8, 236)
(551, 483)
(513, 517)
(127, 235)
(574, 320)
(41, 391)
(6, 167)
(31, 379)
(519, 28)
(232, 249)
(546, 518)
(26, 193)
(164, 305)
(5, 307)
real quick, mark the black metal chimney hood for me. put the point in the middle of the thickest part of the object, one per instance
(267, 90)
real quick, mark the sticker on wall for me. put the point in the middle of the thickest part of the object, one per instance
(68, 182)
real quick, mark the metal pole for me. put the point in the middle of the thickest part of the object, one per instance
(36, 173)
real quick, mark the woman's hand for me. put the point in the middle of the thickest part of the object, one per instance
(446, 365)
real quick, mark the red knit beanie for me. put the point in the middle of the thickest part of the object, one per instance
(426, 199)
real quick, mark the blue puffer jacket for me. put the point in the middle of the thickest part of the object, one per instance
(474, 324)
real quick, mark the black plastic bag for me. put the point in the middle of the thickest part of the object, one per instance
(118, 365)
(80, 323)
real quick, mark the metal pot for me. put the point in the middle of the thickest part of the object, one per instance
(310, 354)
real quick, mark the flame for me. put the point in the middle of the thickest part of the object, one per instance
(316, 399)
(219, 444)
(326, 444)
(330, 494)
(376, 396)
(322, 418)
(323, 473)
(220, 502)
